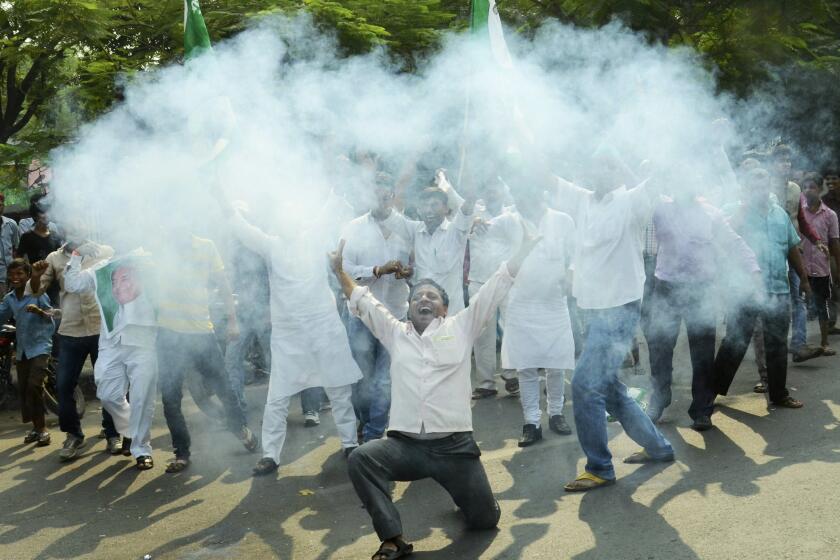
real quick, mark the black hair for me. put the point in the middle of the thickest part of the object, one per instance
(429, 282)
(815, 178)
(35, 208)
(19, 263)
(434, 192)
(782, 150)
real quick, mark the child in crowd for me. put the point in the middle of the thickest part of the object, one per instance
(34, 317)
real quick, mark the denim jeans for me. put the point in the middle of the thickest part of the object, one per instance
(178, 352)
(596, 389)
(372, 394)
(71, 360)
(311, 399)
(251, 329)
(799, 313)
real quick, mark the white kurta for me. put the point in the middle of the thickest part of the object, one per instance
(538, 330)
(309, 345)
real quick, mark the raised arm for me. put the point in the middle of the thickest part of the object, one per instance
(732, 243)
(77, 280)
(397, 223)
(43, 274)
(250, 236)
(372, 313)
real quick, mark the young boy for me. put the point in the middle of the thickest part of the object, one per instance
(34, 318)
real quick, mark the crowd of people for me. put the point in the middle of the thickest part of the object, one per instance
(564, 280)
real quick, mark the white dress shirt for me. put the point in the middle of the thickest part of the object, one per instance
(367, 246)
(609, 270)
(438, 255)
(430, 372)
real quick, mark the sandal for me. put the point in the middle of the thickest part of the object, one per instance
(482, 393)
(643, 457)
(249, 440)
(588, 481)
(177, 465)
(265, 466)
(512, 386)
(829, 351)
(403, 549)
(789, 402)
(760, 387)
(145, 462)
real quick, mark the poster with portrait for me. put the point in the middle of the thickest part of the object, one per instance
(122, 294)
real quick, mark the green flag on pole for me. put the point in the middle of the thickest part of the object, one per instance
(484, 19)
(196, 37)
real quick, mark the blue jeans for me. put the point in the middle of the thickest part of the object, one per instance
(799, 313)
(311, 399)
(71, 360)
(252, 329)
(372, 394)
(596, 389)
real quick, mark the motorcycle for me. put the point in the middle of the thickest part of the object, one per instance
(7, 352)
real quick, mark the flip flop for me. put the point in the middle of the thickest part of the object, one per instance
(588, 481)
(829, 351)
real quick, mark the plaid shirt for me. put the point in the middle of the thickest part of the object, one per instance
(651, 244)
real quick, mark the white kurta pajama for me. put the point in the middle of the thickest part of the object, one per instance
(309, 346)
(127, 361)
(538, 329)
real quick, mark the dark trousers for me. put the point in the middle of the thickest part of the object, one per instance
(31, 373)
(71, 360)
(775, 313)
(673, 304)
(453, 462)
(646, 319)
(311, 399)
(177, 353)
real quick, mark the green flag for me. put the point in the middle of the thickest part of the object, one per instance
(196, 37)
(484, 19)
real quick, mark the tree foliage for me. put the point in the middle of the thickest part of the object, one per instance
(62, 60)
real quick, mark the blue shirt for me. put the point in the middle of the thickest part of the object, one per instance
(771, 237)
(34, 333)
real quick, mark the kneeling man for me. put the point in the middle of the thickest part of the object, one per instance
(430, 429)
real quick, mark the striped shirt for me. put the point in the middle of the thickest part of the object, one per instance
(185, 304)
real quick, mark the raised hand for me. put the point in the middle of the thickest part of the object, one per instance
(337, 258)
(39, 268)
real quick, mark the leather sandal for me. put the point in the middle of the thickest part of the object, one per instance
(265, 466)
(789, 402)
(588, 481)
(403, 549)
(144, 463)
(177, 465)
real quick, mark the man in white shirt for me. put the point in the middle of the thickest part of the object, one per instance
(438, 243)
(609, 277)
(487, 251)
(378, 259)
(127, 354)
(430, 430)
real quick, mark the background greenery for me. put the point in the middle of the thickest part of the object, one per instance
(60, 60)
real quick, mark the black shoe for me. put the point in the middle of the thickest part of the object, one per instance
(530, 435)
(558, 425)
(349, 450)
(71, 448)
(126, 447)
(265, 466)
(702, 423)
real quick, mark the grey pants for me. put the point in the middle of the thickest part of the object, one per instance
(453, 462)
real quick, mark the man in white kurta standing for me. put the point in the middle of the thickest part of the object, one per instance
(127, 357)
(309, 345)
(430, 429)
(538, 329)
(609, 278)
(378, 259)
(487, 251)
(438, 242)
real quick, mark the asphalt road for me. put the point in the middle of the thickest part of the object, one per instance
(764, 484)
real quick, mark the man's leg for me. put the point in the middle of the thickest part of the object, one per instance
(112, 385)
(34, 389)
(235, 367)
(209, 361)
(362, 345)
(555, 388)
(799, 314)
(172, 366)
(341, 399)
(310, 399)
(758, 350)
(609, 334)
(484, 349)
(775, 315)
(661, 335)
(739, 329)
(142, 372)
(72, 356)
(372, 468)
(529, 395)
(274, 420)
(461, 473)
(92, 348)
(701, 327)
(380, 395)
